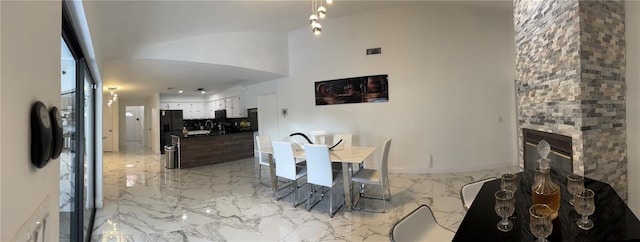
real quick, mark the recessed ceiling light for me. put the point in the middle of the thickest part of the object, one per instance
(180, 91)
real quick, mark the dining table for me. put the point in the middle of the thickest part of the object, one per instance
(347, 155)
(613, 219)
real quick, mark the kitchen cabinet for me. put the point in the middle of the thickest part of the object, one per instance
(193, 110)
(176, 106)
(210, 110)
(219, 104)
(235, 107)
(206, 110)
(171, 106)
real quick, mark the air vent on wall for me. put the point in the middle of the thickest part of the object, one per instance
(374, 51)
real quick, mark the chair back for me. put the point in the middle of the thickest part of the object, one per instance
(384, 160)
(318, 165)
(263, 141)
(469, 191)
(318, 137)
(298, 141)
(346, 140)
(420, 225)
(285, 161)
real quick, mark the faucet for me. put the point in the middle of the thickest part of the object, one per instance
(209, 124)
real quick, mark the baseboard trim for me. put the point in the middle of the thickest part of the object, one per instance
(466, 168)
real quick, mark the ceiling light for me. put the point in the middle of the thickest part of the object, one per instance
(316, 12)
(329, 1)
(322, 11)
(316, 28)
(180, 91)
(201, 90)
(313, 18)
(113, 94)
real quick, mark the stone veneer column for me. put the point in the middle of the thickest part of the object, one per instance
(570, 64)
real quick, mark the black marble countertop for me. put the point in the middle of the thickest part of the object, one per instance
(212, 133)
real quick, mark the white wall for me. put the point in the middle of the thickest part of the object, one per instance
(260, 89)
(200, 98)
(451, 71)
(111, 121)
(153, 105)
(30, 35)
(229, 92)
(632, 22)
(0, 126)
(176, 98)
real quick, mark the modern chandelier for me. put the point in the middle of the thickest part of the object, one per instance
(317, 12)
(114, 96)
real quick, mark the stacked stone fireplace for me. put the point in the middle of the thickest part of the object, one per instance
(570, 64)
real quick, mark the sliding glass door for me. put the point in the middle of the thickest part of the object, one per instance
(77, 176)
(89, 154)
(68, 157)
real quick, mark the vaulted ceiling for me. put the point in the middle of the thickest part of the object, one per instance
(150, 46)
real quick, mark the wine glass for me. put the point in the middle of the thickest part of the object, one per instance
(585, 206)
(509, 182)
(575, 185)
(540, 221)
(505, 206)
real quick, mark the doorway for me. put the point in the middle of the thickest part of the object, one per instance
(134, 125)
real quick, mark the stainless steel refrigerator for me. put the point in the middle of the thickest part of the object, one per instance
(171, 123)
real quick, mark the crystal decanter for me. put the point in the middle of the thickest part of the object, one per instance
(544, 190)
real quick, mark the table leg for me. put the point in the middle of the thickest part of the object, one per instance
(256, 168)
(346, 184)
(272, 172)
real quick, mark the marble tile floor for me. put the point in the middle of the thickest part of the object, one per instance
(143, 201)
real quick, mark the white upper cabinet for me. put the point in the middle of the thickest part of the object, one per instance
(210, 110)
(192, 110)
(206, 110)
(235, 107)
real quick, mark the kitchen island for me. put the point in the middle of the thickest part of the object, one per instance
(202, 150)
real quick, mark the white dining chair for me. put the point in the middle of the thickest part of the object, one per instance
(263, 141)
(318, 136)
(375, 177)
(286, 168)
(470, 190)
(298, 141)
(346, 140)
(420, 225)
(321, 174)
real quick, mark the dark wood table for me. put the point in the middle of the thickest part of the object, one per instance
(613, 220)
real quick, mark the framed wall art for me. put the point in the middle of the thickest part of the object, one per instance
(364, 89)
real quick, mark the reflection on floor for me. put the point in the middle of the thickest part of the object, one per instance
(223, 202)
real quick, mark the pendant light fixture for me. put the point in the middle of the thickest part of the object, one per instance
(316, 28)
(113, 95)
(322, 11)
(316, 14)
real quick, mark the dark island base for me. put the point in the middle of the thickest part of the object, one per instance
(206, 150)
